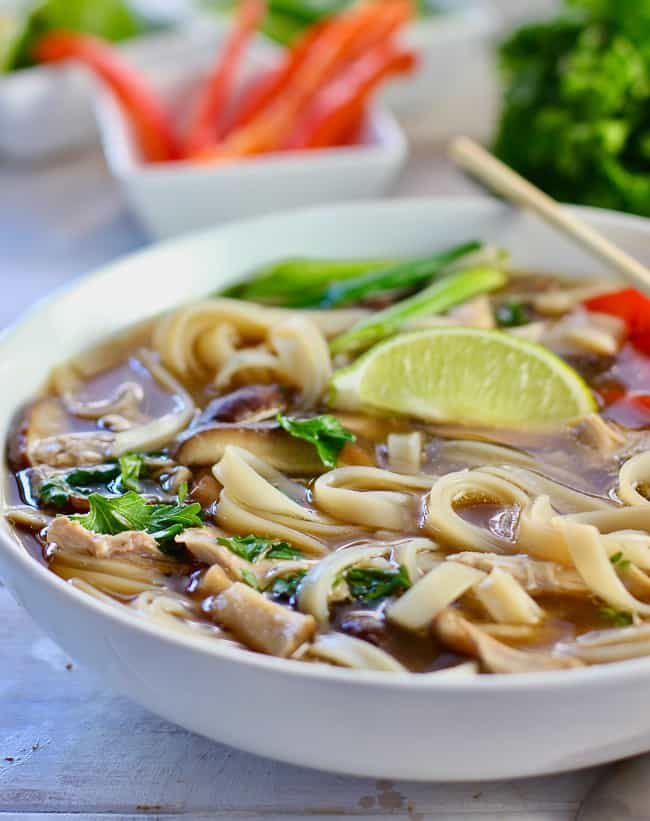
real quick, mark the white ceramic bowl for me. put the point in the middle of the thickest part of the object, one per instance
(172, 198)
(370, 723)
(49, 109)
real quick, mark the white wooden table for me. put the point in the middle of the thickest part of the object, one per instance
(71, 748)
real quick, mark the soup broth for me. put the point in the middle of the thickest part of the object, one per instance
(196, 472)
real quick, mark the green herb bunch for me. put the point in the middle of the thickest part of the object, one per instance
(576, 116)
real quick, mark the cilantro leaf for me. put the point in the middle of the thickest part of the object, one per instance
(619, 561)
(618, 618)
(325, 433)
(130, 469)
(287, 586)
(253, 548)
(96, 475)
(54, 492)
(283, 550)
(367, 584)
(131, 512)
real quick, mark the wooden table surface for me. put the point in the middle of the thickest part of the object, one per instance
(70, 747)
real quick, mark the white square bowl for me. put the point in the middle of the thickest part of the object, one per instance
(45, 110)
(171, 198)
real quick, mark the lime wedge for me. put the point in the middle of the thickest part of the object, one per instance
(465, 376)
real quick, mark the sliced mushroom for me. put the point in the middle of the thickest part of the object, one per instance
(462, 636)
(259, 623)
(253, 403)
(536, 577)
(266, 440)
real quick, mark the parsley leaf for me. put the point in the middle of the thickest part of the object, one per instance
(287, 585)
(511, 315)
(326, 433)
(130, 469)
(253, 548)
(619, 561)
(618, 618)
(96, 475)
(131, 512)
(367, 584)
(54, 492)
(282, 550)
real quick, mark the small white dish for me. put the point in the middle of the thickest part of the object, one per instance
(171, 198)
(45, 110)
(385, 725)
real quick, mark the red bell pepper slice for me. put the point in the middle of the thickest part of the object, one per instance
(151, 122)
(337, 107)
(630, 305)
(212, 102)
(346, 35)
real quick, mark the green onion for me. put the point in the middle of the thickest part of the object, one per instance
(436, 299)
(301, 282)
(403, 275)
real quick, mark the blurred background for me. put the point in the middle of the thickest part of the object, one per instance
(126, 121)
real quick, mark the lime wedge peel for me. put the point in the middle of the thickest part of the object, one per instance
(465, 376)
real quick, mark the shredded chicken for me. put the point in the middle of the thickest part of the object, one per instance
(536, 577)
(68, 450)
(464, 637)
(260, 623)
(70, 535)
(203, 545)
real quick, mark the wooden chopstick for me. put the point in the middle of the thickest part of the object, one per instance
(495, 175)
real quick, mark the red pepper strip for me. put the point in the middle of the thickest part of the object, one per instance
(632, 307)
(263, 90)
(337, 106)
(212, 102)
(151, 122)
(269, 130)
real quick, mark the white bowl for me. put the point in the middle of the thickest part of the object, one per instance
(370, 723)
(172, 198)
(49, 109)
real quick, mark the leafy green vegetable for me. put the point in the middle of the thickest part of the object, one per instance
(183, 490)
(96, 475)
(618, 618)
(130, 469)
(511, 315)
(444, 294)
(282, 550)
(404, 275)
(619, 561)
(287, 585)
(301, 282)
(111, 20)
(367, 584)
(576, 114)
(131, 512)
(250, 579)
(325, 433)
(253, 548)
(54, 492)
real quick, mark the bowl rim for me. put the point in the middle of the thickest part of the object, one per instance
(15, 552)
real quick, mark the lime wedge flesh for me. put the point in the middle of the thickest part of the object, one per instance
(465, 376)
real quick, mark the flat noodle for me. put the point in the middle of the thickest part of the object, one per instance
(347, 651)
(317, 585)
(442, 586)
(405, 452)
(370, 497)
(506, 600)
